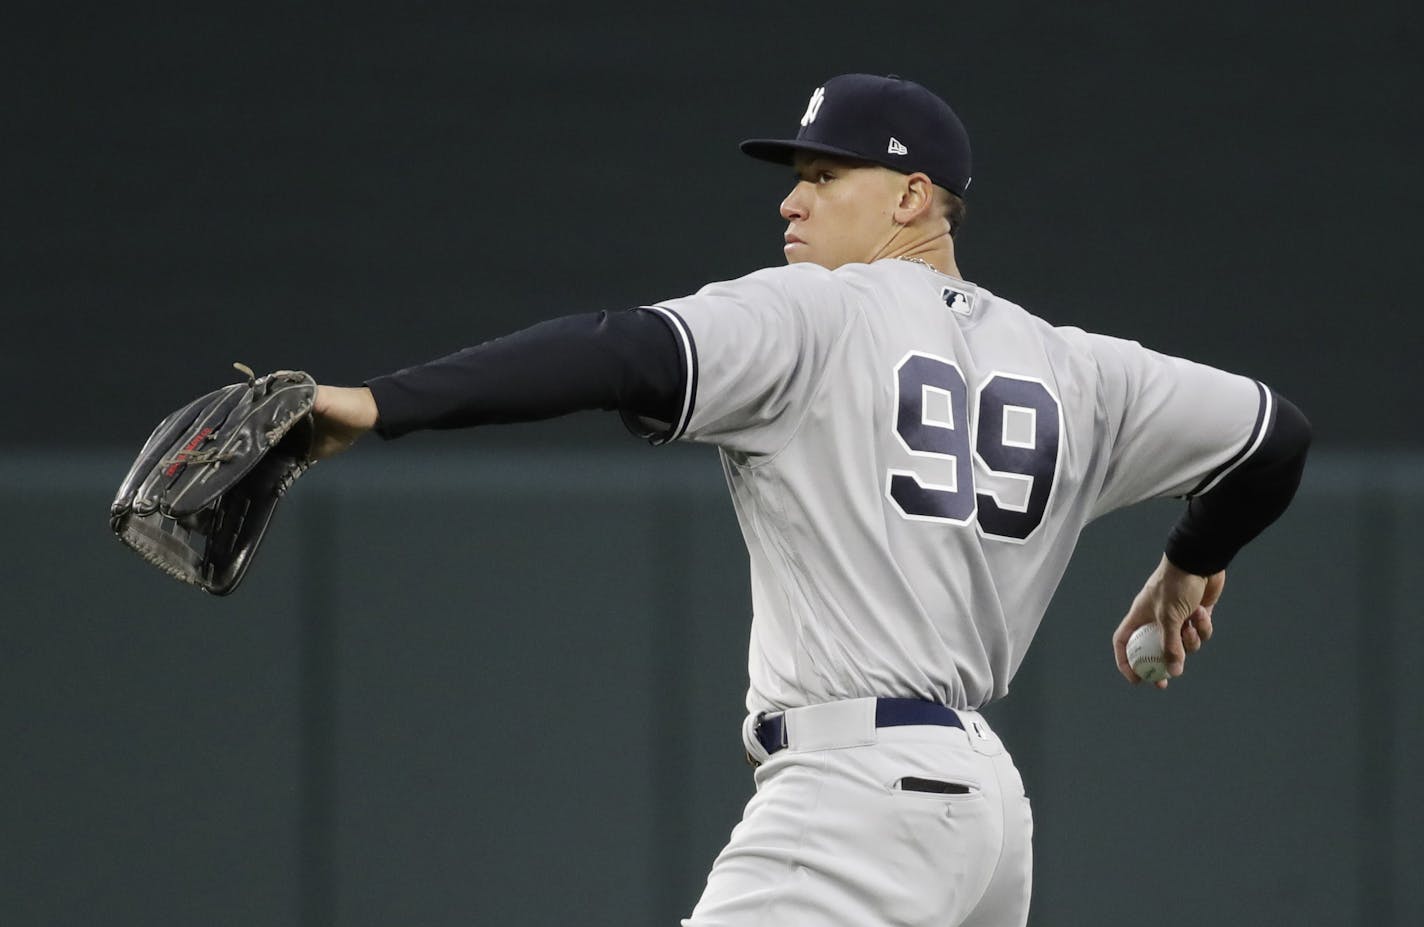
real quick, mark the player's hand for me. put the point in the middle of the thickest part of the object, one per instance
(343, 414)
(1181, 604)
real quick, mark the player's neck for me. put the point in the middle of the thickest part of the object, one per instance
(938, 258)
(935, 250)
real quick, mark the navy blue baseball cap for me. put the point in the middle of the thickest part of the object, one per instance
(888, 121)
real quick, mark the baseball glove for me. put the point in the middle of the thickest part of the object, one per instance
(198, 499)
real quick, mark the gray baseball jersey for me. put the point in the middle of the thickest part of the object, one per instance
(912, 460)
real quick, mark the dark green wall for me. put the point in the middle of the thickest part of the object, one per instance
(1236, 182)
(507, 689)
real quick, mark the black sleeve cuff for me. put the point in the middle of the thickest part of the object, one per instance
(664, 430)
(1230, 512)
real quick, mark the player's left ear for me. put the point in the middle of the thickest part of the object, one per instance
(916, 198)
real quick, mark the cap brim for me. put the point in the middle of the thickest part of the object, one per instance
(783, 151)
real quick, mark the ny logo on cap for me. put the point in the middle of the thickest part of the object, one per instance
(814, 106)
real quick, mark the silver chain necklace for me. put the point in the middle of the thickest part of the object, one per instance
(921, 262)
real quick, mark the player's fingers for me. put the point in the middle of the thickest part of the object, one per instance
(1123, 667)
(1172, 647)
(1201, 620)
(1215, 583)
(1191, 641)
(1119, 643)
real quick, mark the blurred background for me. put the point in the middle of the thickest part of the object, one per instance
(496, 677)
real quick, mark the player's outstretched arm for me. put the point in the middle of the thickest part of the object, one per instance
(626, 360)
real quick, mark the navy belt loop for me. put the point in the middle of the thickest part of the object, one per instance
(889, 712)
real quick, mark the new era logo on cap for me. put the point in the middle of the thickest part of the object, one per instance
(883, 120)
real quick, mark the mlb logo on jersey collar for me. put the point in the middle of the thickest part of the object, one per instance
(957, 300)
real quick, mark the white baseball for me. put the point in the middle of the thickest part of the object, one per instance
(1144, 653)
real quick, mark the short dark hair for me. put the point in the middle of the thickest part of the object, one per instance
(954, 208)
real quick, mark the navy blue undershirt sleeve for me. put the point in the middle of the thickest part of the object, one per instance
(627, 360)
(1218, 523)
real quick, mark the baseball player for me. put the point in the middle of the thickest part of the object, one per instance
(912, 459)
